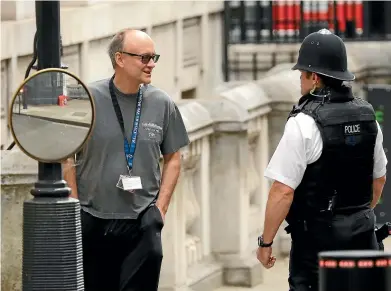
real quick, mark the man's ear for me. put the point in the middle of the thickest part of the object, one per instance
(119, 60)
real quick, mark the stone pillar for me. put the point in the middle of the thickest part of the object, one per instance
(18, 173)
(84, 58)
(230, 196)
(203, 272)
(173, 273)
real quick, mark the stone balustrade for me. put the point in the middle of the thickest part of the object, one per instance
(217, 210)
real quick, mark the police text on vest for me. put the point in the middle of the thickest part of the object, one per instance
(355, 128)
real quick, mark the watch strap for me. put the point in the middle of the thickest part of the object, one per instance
(262, 244)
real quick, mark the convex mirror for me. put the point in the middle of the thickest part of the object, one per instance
(51, 116)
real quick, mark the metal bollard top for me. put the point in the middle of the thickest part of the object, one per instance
(354, 259)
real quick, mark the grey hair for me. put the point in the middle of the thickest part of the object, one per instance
(116, 45)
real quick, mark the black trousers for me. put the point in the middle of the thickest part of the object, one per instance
(345, 232)
(122, 255)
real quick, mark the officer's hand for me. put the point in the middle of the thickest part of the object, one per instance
(264, 255)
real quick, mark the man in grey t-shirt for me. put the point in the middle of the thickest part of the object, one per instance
(121, 227)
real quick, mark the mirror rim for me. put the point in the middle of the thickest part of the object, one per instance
(10, 114)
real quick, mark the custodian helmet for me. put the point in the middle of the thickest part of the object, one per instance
(324, 53)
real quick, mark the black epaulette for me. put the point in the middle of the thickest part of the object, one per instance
(296, 109)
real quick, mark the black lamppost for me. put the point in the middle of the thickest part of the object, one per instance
(52, 249)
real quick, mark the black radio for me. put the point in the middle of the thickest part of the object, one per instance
(382, 233)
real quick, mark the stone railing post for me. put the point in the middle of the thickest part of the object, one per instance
(229, 193)
(230, 200)
(175, 274)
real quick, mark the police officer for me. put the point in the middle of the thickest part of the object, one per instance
(328, 169)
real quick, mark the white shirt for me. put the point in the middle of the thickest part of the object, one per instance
(301, 145)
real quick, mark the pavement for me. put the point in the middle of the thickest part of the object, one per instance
(276, 278)
(76, 111)
(47, 140)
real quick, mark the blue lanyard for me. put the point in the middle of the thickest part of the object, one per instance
(129, 147)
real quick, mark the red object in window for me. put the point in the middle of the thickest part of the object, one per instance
(331, 16)
(280, 17)
(359, 17)
(341, 16)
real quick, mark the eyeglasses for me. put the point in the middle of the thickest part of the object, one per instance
(145, 59)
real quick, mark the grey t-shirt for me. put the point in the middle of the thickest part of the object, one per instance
(102, 160)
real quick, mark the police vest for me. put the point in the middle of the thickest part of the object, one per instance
(344, 172)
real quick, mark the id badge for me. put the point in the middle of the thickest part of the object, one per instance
(129, 183)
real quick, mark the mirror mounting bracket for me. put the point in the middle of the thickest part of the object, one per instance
(50, 183)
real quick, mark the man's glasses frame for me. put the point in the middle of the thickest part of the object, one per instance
(145, 59)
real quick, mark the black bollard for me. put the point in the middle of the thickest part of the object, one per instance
(52, 249)
(354, 271)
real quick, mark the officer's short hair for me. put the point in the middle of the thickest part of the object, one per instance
(331, 82)
(327, 81)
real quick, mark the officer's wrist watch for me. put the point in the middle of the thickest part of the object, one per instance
(263, 244)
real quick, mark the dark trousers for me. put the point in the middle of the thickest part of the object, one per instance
(122, 255)
(345, 232)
